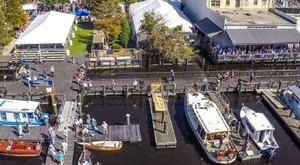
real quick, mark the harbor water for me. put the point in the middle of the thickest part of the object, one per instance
(188, 151)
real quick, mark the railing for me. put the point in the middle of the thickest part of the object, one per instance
(269, 57)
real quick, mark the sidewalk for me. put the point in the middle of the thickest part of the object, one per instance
(8, 48)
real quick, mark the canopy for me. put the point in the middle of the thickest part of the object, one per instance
(7, 105)
(31, 6)
(82, 13)
(49, 28)
(172, 15)
(208, 27)
(263, 36)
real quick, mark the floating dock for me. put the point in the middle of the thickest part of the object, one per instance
(37, 133)
(126, 133)
(250, 156)
(285, 115)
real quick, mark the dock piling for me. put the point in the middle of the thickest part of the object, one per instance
(128, 119)
(162, 117)
(165, 127)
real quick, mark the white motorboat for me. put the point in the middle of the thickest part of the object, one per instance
(291, 97)
(210, 128)
(260, 130)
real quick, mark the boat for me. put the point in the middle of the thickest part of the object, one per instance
(19, 148)
(14, 112)
(103, 145)
(260, 130)
(210, 128)
(291, 97)
(85, 158)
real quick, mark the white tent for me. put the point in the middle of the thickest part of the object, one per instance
(49, 28)
(31, 6)
(172, 15)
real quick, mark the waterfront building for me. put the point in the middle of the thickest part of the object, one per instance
(244, 30)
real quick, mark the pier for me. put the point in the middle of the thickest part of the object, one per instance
(161, 121)
(285, 115)
(250, 156)
(37, 133)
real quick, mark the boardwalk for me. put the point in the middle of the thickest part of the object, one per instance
(285, 115)
(37, 133)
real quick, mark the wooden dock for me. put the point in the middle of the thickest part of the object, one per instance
(164, 134)
(126, 133)
(250, 156)
(285, 115)
(37, 133)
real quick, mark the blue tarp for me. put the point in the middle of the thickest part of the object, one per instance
(82, 13)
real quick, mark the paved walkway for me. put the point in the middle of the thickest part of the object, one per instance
(8, 48)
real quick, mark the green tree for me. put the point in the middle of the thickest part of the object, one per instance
(14, 14)
(125, 35)
(106, 8)
(2, 26)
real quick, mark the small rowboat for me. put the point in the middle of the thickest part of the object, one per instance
(19, 148)
(103, 145)
(85, 158)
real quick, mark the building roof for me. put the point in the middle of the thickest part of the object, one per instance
(259, 121)
(48, 28)
(18, 105)
(172, 15)
(263, 36)
(250, 17)
(208, 114)
(208, 27)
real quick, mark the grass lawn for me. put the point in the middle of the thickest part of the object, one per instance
(83, 39)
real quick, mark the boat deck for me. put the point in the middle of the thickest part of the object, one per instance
(164, 134)
(250, 156)
(126, 133)
(37, 133)
(284, 114)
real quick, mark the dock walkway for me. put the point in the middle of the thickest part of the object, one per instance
(250, 156)
(285, 115)
(126, 133)
(37, 133)
(163, 128)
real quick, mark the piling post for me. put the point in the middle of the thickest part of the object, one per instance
(53, 103)
(127, 90)
(128, 119)
(174, 88)
(279, 85)
(162, 117)
(104, 90)
(165, 127)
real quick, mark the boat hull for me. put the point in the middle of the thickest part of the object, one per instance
(100, 145)
(19, 149)
(208, 154)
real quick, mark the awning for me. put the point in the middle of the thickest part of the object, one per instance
(263, 36)
(208, 27)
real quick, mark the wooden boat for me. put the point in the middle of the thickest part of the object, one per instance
(260, 130)
(85, 158)
(103, 145)
(20, 148)
(210, 128)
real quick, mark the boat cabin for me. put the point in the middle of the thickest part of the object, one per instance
(261, 130)
(13, 112)
(292, 98)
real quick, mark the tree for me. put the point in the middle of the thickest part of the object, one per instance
(125, 35)
(106, 9)
(14, 14)
(2, 26)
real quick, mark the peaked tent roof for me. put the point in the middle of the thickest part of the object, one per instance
(49, 28)
(173, 16)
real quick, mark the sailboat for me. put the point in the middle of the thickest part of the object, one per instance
(210, 128)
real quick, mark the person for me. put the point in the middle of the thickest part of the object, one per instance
(89, 84)
(251, 76)
(60, 158)
(221, 142)
(135, 84)
(76, 127)
(52, 152)
(172, 76)
(85, 131)
(20, 130)
(25, 127)
(73, 60)
(205, 83)
(94, 125)
(64, 146)
(141, 84)
(53, 135)
(113, 85)
(38, 146)
(66, 134)
(104, 128)
(60, 119)
(44, 73)
(52, 69)
(227, 115)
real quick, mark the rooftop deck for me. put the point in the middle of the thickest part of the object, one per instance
(250, 17)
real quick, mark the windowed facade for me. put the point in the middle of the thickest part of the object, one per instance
(255, 2)
(227, 3)
(215, 3)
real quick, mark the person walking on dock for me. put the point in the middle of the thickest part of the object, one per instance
(64, 146)
(113, 86)
(60, 158)
(251, 76)
(104, 128)
(26, 128)
(172, 77)
(60, 119)
(53, 135)
(134, 84)
(20, 130)
(52, 152)
(52, 69)
(66, 134)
